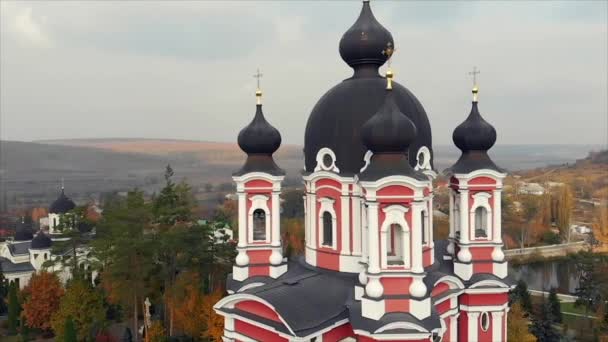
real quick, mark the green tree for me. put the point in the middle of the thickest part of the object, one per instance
(592, 271)
(123, 249)
(543, 325)
(69, 332)
(3, 292)
(521, 295)
(85, 304)
(14, 309)
(292, 205)
(556, 310)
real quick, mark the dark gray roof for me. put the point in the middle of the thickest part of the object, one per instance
(370, 325)
(19, 247)
(471, 161)
(325, 295)
(62, 204)
(9, 267)
(41, 241)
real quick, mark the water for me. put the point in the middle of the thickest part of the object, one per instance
(542, 276)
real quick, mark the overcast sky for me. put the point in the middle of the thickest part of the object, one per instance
(184, 69)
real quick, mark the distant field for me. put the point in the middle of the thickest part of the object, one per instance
(30, 172)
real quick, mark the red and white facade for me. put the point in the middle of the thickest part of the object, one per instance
(371, 269)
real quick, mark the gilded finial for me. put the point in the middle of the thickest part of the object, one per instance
(258, 91)
(475, 90)
(389, 72)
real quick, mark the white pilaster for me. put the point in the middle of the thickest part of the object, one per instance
(417, 265)
(306, 221)
(357, 224)
(454, 328)
(496, 216)
(464, 222)
(313, 220)
(473, 323)
(451, 213)
(242, 219)
(276, 219)
(497, 325)
(345, 219)
(372, 238)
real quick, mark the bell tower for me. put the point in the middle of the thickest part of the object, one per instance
(258, 185)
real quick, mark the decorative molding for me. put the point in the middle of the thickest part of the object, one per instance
(321, 165)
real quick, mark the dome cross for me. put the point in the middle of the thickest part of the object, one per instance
(474, 73)
(258, 92)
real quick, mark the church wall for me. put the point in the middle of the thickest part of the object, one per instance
(327, 257)
(338, 333)
(256, 333)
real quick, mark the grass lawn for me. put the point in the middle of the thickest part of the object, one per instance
(569, 307)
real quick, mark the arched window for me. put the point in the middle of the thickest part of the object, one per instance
(481, 222)
(425, 236)
(394, 245)
(259, 225)
(328, 229)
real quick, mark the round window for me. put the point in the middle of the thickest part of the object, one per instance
(328, 161)
(484, 321)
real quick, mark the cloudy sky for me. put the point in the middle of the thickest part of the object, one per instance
(183, 69)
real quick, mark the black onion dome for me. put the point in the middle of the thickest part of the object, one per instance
(474, 137)
(23, 234)
(259, 137)
(336, 120)
(41, 241)
(475, 133)
(365, 41)
(62, 204)
(259, 140)
(389, 130)
(388, 134)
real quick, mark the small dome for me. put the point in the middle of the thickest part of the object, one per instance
(62, 204)
(475, 133)
(23, 234)
(41, 241)
(259, 137)
(389, 130)
(366, 41)
(474, 137)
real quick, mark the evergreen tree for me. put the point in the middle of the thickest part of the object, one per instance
(14, 309)
(69, 332)
(543, 325)
(556, 310)
(3, 292)
(123, 250)
(521, 295)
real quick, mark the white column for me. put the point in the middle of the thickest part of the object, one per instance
(364, 232)
(372, 237)
(417, 265)
(357, 224)
(464, 216)
(473, 323)
(313, 220)
(306, 220)
(345, 219)
(452, 214)
(496, 216)
(454, 328)
(276, 220)
(242, 198)
(497, 325)
(430, 228)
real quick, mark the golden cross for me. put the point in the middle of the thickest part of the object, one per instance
(475, 72)
(258, 75)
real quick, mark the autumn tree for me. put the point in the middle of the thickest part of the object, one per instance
(43, 295)
(186, 299)
(563, 204)
(3, 292)
(518, 325)
(213, 323)
(293, 236)
(600, 223)
(84, 306)
(520, 295)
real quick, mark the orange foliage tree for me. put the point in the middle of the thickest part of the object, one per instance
(214, 323)
(293, 236)
(193, 310)
(42, 297)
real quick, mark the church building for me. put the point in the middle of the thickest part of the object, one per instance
(371, 270)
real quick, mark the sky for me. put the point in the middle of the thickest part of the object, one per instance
(184, 69)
